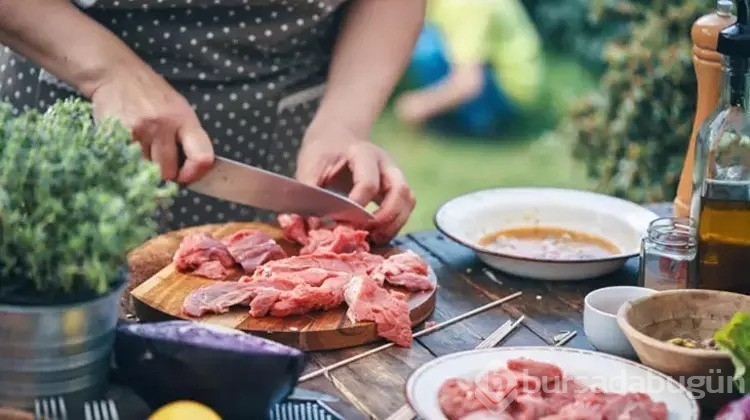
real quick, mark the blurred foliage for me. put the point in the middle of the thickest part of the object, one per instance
(633, 132)
(583, 28)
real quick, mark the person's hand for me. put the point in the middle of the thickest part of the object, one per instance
(411, 109)
(160, 119)
(334, 156)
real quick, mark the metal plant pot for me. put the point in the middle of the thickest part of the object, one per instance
(57, 350)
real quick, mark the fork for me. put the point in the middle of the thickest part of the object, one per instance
(406, 413)
(52, 408)
(101, 410)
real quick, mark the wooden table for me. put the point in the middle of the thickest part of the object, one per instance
(373, 387)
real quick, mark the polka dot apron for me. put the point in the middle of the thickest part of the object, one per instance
(254, 71)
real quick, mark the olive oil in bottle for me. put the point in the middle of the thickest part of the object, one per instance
(721, 183)
(724, 245)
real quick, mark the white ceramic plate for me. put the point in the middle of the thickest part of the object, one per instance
(593, 369)
(468, 218)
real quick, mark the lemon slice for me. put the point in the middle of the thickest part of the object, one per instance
(184, 410)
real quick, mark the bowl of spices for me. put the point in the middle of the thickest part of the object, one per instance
(672, 332)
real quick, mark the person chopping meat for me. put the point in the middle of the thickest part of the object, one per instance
(291, 86)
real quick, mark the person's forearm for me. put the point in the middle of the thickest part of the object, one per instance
(462, 85)
(63, 40)
(373, 50)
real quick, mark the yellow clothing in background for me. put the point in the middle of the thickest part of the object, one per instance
(495, 32)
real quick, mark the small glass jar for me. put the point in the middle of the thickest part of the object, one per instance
(668, 254)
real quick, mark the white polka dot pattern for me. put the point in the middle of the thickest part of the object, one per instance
(240, 63)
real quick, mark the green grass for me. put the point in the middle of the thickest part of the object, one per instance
(440, 167)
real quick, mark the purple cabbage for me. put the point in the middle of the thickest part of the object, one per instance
(736, 410)
(208, 336)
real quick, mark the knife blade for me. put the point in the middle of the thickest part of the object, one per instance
(234, 181)
(301, 394)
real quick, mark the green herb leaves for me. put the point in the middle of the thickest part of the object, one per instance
(75, 197)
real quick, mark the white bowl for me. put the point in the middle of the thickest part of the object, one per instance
(468, 218)
(600, 318)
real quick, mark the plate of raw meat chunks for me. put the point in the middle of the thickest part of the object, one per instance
(308, 283)
(549, 383)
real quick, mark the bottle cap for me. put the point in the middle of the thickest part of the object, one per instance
(734, 40)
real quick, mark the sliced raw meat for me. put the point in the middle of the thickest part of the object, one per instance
(558, 398)
(217, 298)
(634, 406)
(212, 270)
(389, 310)
(317, 237)
(406, 269)
(545, 371)
(198, 249)
(294, 228)
(251, 248)
(457, 398)
(264, 301)
(305, 298)
(530, 407)
(487, 415)
(342, 239)
(220, 297)
(314, 269)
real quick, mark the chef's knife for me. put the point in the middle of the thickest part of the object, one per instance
(255, 187)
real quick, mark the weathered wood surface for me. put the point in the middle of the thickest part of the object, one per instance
(373, 387)
(160, 296)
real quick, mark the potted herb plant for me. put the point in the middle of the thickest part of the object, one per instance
(75, 197)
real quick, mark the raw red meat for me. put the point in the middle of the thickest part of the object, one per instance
(305, 298)
(559, 398)
(251, 248)
(217, 298)
(316, 268)
(336, 267)
(212, 270)
(199, 249)
(389, 310)
(457, 398)
(546, 372)
(405, 269)
(293, 226)
(317, 237)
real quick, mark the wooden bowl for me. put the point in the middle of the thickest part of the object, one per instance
(650, 321)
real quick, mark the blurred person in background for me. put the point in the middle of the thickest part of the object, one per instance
(291, 86)
(477, 65)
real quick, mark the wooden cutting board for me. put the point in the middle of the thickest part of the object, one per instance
(160, 297)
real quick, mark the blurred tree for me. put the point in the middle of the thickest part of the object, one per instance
(633, 133)
(584, 27)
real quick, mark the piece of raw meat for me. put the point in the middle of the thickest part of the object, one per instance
(213, 270)
(406, 269)
(217, 298)
(389, 310)
(293, 226)
(546, 372)
(457, 398)
(487, 415)
(314, 269)
(540, 391)
(201, 248)
(305, 298)
(251, 248)
(342, 239)
(317, 237)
